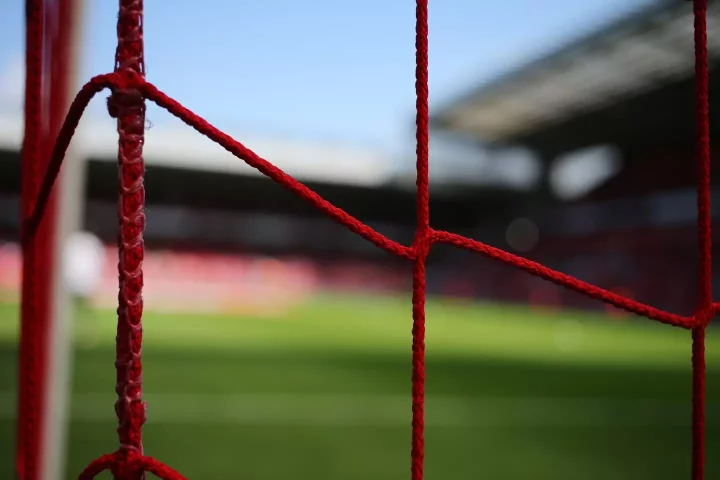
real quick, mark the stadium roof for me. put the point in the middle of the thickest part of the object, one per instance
(638, 70)
(179, 147)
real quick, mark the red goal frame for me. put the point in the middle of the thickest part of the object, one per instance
(129, 92)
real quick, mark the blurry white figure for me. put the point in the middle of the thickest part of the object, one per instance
(82, 269)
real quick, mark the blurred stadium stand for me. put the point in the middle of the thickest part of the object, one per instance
(207, 210)
(627, 87)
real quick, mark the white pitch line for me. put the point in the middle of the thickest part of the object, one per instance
(347, 410)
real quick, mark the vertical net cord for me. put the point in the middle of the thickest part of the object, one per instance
(128, 107)
(30, 394)
(705, 303)
(422, 241)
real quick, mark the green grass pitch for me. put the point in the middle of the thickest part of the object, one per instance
(323, 392)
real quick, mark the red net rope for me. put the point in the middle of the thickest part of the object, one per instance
(130, 90)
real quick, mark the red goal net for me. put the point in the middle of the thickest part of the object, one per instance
(49, 130)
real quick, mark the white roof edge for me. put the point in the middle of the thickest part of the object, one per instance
(181, 147)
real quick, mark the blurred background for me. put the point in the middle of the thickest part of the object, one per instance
(277, 343)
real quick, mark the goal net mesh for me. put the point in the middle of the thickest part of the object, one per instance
(49, 130)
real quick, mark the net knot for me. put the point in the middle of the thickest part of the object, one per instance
(704, 315)
(125, 102)
(129, 464)
(124, 464)
(422, 244)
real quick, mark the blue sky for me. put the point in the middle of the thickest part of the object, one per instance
(324, 69)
